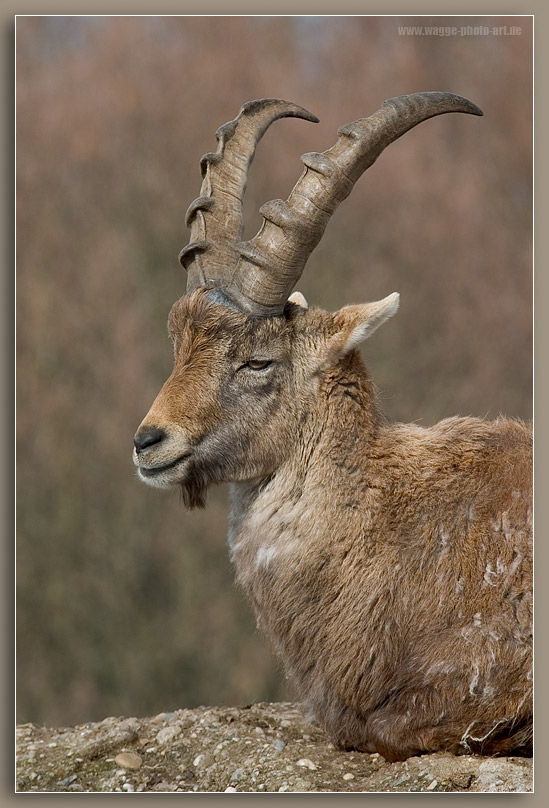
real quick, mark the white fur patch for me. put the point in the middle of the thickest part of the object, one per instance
(265, 555)
(468, 737)
(474, 681)
(490, 576)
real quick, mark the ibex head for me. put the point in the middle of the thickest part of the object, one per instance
(249, 356)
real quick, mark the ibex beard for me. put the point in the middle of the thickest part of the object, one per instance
(388, 564)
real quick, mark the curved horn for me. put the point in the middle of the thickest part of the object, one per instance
(215, 218)
(271, 263)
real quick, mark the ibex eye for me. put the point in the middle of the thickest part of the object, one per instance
(257, 364)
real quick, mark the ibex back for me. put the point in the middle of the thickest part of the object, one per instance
(389, 564)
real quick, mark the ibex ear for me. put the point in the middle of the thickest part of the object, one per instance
(356, 323)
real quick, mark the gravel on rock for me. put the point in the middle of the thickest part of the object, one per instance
(256, 748)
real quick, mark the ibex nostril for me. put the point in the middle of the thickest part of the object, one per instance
(148, 436)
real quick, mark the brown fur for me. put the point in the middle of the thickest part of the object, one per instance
(389, 564)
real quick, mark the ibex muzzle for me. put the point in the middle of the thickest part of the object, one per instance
(389, 564)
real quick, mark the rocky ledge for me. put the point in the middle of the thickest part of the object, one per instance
(260, 748)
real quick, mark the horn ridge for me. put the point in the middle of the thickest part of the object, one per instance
(201, 203)
(327, 180)
(224, 175)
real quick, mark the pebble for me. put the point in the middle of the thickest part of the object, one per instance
(130, 725)
(198, 760)
(128, 760)
(166, 716)
(167, 735)
(220, 746)
(231, 789)
(432, 785)
(278, 744)
(348, 776)
(307, 764)
(164, 785)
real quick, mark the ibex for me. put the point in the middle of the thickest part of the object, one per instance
(388, 564)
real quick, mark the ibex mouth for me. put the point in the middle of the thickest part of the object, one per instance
(148, 472)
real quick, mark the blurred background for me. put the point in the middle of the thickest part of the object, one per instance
(125, 602)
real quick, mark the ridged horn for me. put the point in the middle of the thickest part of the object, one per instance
(215, 217)
(271, 263)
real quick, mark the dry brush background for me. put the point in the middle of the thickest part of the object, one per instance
(125, 602)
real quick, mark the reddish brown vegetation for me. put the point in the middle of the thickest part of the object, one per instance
(111, 120)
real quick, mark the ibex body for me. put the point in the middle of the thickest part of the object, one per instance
(389, 565)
